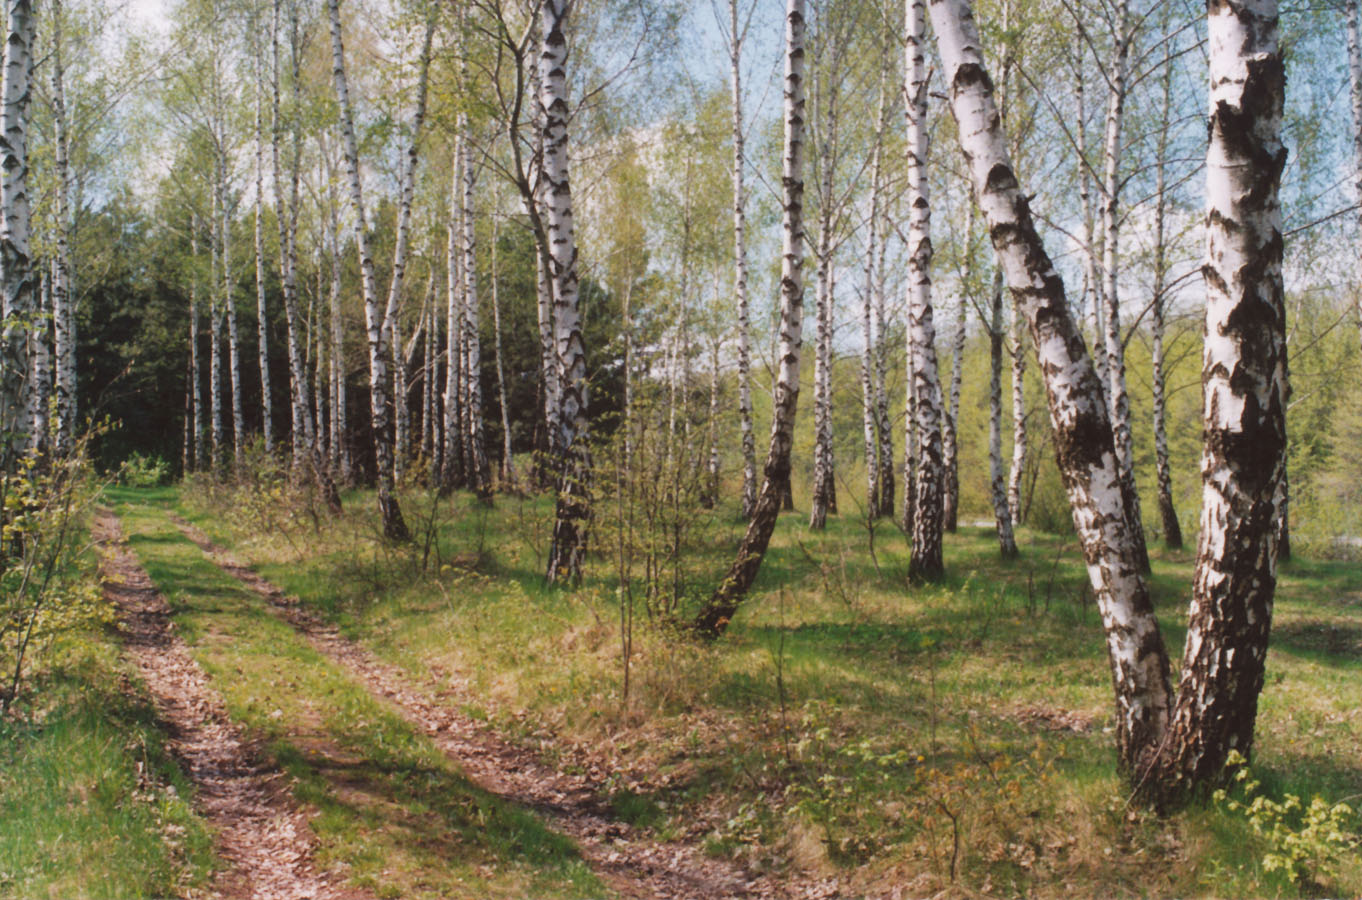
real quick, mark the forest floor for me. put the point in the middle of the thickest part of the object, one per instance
(448, 726)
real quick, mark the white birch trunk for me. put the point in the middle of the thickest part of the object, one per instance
(40, 370)
(195, 374)
(233, 329)
(1117, 398)
(1002, 513)
(717, 613)
(1014, 477)
(340, 450)
(63, 298)
(453, 473)
(394, 527)
(16, 268)
(1078, 413)
(1244, 391)
(479, 472)
(574, 502)
(870, 388)
(749, 444)
(507, 458)
(824, 499)
(1172, 528)
(950, 441)
(261, 311)
(1092, 283)
(926, 559)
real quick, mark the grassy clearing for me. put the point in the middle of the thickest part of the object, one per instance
(91, 805)
(915, 736)
(395, 814)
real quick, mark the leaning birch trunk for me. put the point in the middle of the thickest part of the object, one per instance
(1014, 476)
(1002, 513)
(926, 553)
(1078, 412)
(573, 461)
(714, 618)
(16, 270)
(950, 441)
(749, 443)
(1244, 401)
(261, 310)
(479, 472)
(394, 526)
(1168, 514)
(1117, 398)
(63, 299)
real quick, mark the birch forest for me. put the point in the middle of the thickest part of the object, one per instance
(648, 448)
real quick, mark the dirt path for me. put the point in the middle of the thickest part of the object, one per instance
(631, 864)
(260, 831)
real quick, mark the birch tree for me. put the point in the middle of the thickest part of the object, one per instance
(261, 310)
(736, 36)
(1078, 411)
(714, 618)
(479, 472)
(997, 487)
(1169, 747)
(63, 298)
(16, 270)
(376, 326)
(573, 460)
(1244, 385)
(926, 554)
(1168, 514)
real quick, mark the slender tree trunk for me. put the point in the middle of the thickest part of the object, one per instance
(926, 554)
(229, 304)
(824, 498)
(63, 299)
(453, 470)
(884, 423)
(16, 269)
(1244, 387)
(196, 378)
(1117, 397)
(428, 369)
(1092, 284)
(870, 389)
(507, 459)
(394, 526)
(340, 449)
(1078, 412)
(574, 461)
(749, 444)
(714, 618)
(261, 311)
(401, 405)
(215, 330)
(1168, 514)
(1002, 513)
(40, 370)
(1014, 478)
(950, 441)
(479, 471)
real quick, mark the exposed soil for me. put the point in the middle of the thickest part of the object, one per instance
(261, 833)
(632, 864)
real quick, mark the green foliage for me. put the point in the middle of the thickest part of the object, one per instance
(47, 589)
(143, 471)
(1305, 843)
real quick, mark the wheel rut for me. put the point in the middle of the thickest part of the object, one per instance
(262, 833)
(633, 865)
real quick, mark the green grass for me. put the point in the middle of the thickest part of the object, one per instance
(91, 805)
(848, 721)
(395, 814)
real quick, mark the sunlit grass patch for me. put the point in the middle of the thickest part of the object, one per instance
(395, 814)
